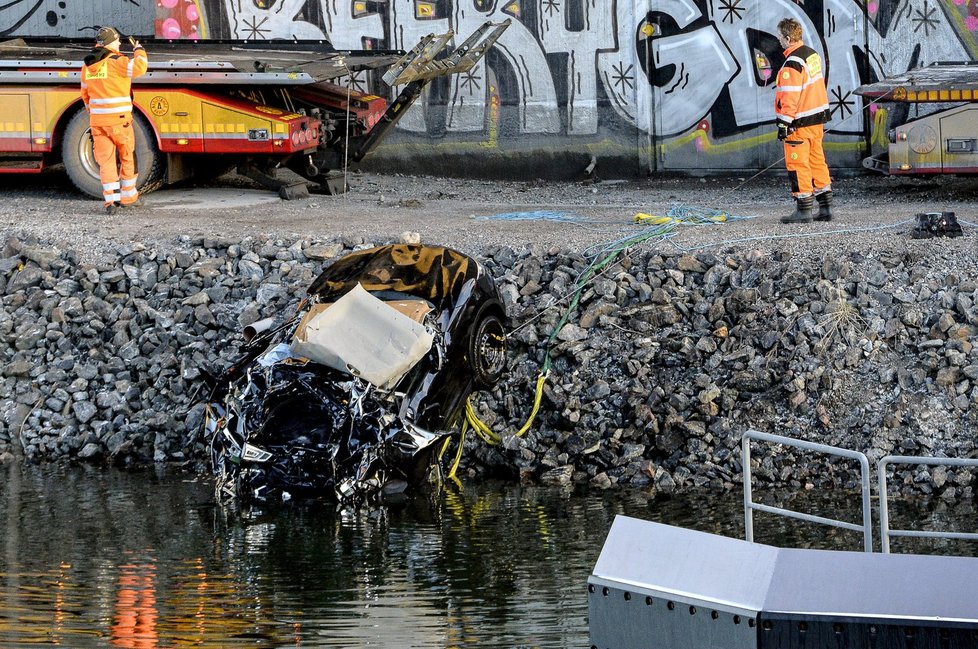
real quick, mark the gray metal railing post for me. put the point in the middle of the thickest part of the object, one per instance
(885, 531)
(749, 505)
(748, 496)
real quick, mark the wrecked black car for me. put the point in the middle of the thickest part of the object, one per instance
(354, 395)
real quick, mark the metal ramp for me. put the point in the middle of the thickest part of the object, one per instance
(420, 64)
(667, 587)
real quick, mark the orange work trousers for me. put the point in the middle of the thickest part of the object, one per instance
(118, 176)
(805, 160)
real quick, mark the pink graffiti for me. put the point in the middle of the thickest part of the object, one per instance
(971, 9)
(171, 29)
(178, 19)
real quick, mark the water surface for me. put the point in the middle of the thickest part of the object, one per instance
(104, 558)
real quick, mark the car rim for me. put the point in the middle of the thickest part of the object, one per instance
(492, 348)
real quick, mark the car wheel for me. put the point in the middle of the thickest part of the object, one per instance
(487, 352)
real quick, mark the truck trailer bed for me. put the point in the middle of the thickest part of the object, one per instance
(940, 82)
(204, 62)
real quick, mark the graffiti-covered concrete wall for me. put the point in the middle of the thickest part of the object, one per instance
(645, 85)
(73, 18)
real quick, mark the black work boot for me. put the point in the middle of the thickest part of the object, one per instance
(824, 206)
(803, 211)
(951, 226)
(924, 226)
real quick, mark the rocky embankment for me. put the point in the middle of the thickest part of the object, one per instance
(665, 361)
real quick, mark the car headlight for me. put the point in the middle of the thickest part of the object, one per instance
(252, 453)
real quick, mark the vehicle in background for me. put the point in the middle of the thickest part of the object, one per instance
(943, 142)
(204, 108)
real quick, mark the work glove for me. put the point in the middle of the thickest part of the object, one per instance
(784, 131)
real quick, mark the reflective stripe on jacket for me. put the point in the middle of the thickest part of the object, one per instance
(106, 85)
(801, 99)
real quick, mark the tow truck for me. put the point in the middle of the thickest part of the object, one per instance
(207, 107)
(943, 142)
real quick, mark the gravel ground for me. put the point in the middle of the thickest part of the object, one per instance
(871, 211)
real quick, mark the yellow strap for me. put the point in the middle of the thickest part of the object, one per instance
(487, 435)
(654, 219)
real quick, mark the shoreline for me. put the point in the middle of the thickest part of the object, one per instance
(668, 357)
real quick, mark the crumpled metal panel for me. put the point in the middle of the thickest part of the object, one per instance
(361, 334)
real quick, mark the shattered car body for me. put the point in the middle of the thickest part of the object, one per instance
(354, 395)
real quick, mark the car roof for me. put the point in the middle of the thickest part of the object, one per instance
(433, 273)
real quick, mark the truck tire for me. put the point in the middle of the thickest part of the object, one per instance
(79, 158)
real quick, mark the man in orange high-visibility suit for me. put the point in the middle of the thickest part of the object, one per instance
(106, 88)
(802, 107)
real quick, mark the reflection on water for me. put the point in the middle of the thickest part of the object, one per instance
(103, 558)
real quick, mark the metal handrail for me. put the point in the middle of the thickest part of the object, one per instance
(885, 531)
(750, 506)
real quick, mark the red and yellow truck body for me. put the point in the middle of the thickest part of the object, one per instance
(207, 106)
(185, 120)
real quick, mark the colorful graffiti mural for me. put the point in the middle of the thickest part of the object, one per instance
(672, 72)
(683, 77)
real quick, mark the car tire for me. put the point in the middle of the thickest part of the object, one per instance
(487, 351)
(79, 158)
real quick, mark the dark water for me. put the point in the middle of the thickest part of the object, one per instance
(112, 559)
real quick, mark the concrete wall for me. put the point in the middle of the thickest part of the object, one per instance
(73, 18)
(645, 85)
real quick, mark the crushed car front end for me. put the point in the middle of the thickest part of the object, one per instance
(351, 397)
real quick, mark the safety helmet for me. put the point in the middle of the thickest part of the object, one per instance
(106, 35)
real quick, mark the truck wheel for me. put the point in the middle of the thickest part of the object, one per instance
(79, 158)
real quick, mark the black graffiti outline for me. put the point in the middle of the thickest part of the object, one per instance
(470, 81)
(925, 19)
(254, 28)
(682, 79)
(841, 102)
(732, 9)
(622, 77)
(30, 12)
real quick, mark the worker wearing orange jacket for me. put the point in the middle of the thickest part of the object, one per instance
(802, 107)
(106, 89)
